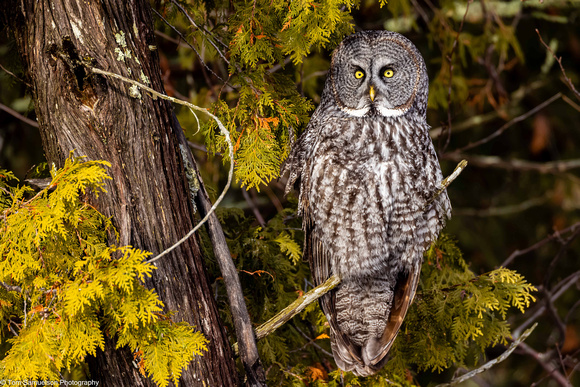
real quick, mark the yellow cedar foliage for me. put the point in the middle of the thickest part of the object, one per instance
(289, 246)
(62, 287)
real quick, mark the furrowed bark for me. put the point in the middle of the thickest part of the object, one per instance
(148, 197)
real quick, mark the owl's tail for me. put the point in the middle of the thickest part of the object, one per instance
(368, 356)
(346, 360)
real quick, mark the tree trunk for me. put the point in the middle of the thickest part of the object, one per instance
(148, 197)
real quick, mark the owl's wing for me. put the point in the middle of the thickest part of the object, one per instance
(301, 151)
(319, 259)
(375, 351)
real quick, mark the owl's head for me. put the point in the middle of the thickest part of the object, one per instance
(378, 72)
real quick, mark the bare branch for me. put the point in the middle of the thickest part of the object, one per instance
(560, 289)
(552, 370)
(559, 60)
(554, 314)
(15, 114)
(539, 244)
(501, 211)
(509, 124)
(571, 103)
(15, 76)
(202, 28)
(514, 164)
(253, 207)
(512, 109)
(310, 342)
(191, 46)
(450, 64)
(491, 363)
(565, 244)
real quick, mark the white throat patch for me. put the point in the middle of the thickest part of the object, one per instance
(383, 111)
(355, 112)
(386, 112)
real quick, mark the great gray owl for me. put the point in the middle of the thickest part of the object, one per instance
(368, 170)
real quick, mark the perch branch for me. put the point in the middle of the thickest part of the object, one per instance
(448, 180)
(493, 362)
(294, 308)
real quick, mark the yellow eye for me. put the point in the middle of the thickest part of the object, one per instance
(389, 73)
(359, 74)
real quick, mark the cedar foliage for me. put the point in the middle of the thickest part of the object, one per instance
(260, 105)
(63, 287)
(456, 314)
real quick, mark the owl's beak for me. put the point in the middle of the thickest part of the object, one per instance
(372, 93)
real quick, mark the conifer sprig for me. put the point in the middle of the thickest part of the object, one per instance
(63, 287)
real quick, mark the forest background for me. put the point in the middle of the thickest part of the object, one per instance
(503, 95)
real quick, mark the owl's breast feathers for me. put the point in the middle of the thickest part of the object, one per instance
(365, 185)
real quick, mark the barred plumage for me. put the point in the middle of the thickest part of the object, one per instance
(368, 169)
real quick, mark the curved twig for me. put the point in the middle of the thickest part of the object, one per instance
(491, 363)
(223, 130)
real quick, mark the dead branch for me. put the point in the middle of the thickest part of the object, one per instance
(491, 363)
(550, 368)
(539, 244)
(509, 124)
(559, 60)
(514, 164)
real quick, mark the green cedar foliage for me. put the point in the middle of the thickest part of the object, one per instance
(63, 287)
(455, 317)
(262, 43)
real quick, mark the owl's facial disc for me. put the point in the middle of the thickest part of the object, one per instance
(376, 73)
